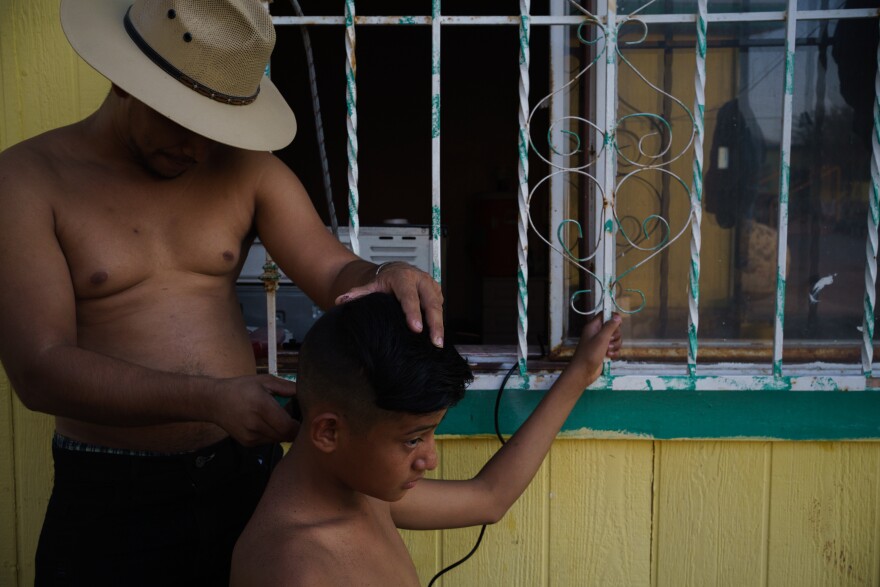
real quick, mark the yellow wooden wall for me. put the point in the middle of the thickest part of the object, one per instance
(674, 513)
(43, 84)
(600, 513)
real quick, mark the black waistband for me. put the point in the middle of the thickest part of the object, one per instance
(65, 443)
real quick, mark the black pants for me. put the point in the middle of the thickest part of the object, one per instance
(125, 520)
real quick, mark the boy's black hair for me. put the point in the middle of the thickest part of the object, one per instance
(363, 353)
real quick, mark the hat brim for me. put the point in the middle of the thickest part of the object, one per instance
(95, 30)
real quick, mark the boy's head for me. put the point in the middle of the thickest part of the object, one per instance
(362, 357)
(372, 393)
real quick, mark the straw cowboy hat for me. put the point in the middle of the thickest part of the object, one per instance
(201, 64)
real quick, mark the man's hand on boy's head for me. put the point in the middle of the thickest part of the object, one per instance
(597, 342)
(416, 291)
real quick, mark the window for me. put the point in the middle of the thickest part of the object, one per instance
(779, 140)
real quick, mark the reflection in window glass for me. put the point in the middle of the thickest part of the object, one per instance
(830, 156)
(690, 6)
(834, 4)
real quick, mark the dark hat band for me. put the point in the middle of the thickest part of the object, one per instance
(179, 75)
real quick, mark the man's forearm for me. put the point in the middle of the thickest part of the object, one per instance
(74, 383)
(354, 274)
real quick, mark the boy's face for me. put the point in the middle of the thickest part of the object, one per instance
(389, 458)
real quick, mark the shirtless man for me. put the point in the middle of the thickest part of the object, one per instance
(372, 393)
(121, 239)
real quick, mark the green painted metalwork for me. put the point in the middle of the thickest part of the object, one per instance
(871, 245)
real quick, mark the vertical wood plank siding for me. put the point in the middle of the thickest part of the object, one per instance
(44, 85)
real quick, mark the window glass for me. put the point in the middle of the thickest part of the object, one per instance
(835, 68)
(829, 174)
(690, 6)
(479, 155)
(834, 4)
(654, 166)
(654, 171)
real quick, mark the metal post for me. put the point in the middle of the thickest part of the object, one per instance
(351, 126)
(871, 246)
(697, 189)
(435, 141)
(784, 177)
(523, 249)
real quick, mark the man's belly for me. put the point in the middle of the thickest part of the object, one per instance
(193, 332)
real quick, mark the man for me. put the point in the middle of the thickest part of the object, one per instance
(121, 238)
(371, 394)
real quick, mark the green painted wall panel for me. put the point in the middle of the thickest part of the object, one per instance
(789, 415)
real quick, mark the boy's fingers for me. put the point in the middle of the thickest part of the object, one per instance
(596, 337)
(592, 327)
(602, 340)
(609, 329)
(595, 326)
(616, 340)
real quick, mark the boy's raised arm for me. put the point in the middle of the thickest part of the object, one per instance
(437, 504)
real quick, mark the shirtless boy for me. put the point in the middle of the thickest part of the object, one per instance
(371, 394)
(121, 238)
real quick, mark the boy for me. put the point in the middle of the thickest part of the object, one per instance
(372, 393)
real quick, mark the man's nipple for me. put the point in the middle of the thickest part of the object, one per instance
(99, 277)
(229, 256)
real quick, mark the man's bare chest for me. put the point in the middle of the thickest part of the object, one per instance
(118, 235)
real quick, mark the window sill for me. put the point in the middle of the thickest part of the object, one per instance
(726, 401)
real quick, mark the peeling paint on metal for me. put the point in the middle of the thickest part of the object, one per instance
(819, 286)
(435, 116)
(789, 72)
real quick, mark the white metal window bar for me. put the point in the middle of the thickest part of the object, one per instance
(608, 22)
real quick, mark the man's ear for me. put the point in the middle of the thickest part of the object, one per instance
(324, 431)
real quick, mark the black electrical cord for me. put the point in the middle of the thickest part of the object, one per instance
(501, 439)
(467, 556)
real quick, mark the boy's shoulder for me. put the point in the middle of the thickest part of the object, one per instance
(282, 551)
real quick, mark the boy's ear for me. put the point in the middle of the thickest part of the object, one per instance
(324, 431)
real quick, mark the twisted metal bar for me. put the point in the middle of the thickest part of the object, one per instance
(351, 126)
(697, 188)
(871, 244)
(435, 141)
(522, 302)
(319, 120)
